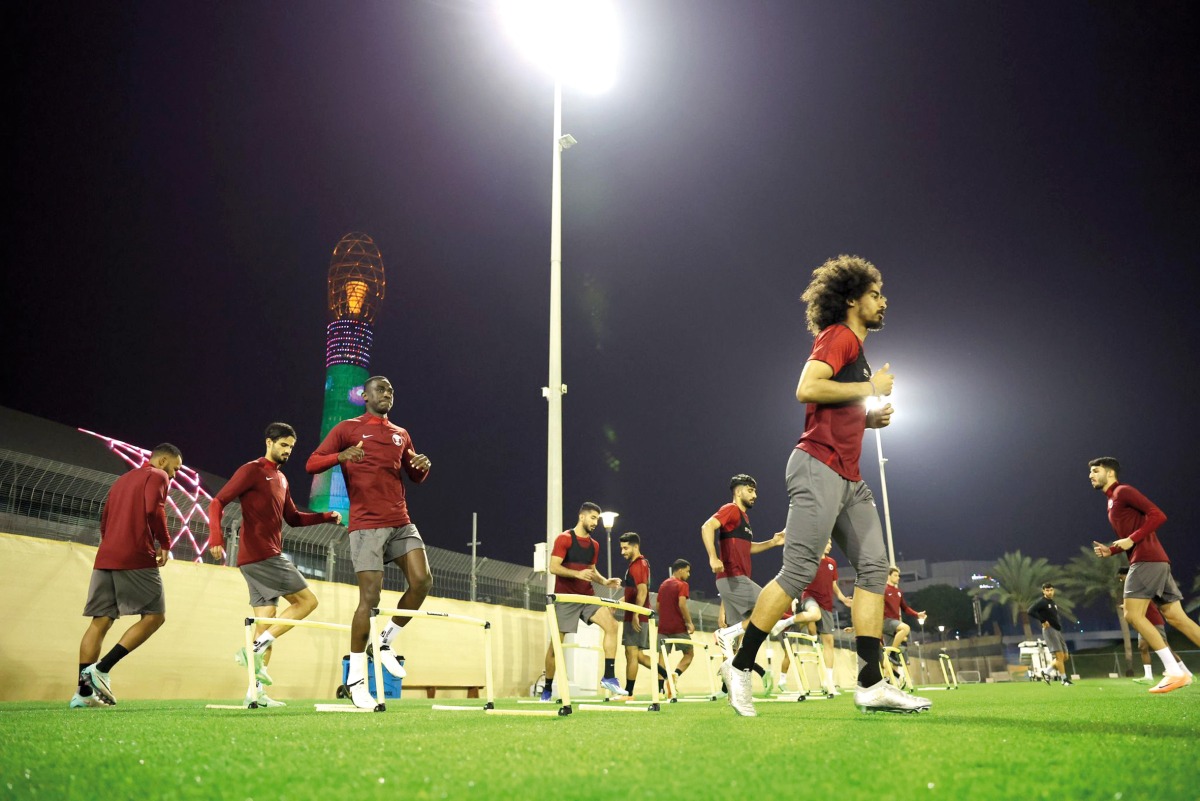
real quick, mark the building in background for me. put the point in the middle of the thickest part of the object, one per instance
(356, 289)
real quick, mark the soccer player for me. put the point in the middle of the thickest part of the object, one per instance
(893, 601)
(1045, 611)
(674, 619)
(816, 610)
(826, 494)
(376, 455)
(266, 502)
(636, 634)
(1136, 522)
(573, 562)
(729, 542)
(1156, 619)
(134, 544)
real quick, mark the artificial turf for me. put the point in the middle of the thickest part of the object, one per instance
(1101, 739)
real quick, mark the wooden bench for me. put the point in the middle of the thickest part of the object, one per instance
(431, 689)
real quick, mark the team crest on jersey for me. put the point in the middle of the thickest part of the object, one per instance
(1110, 503)
(396, 440)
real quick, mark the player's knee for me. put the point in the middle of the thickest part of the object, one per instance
(155, 622)
(872, 575)
(422, 583)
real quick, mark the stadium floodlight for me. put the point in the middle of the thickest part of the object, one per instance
(576, 41)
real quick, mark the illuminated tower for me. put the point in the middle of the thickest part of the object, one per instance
(356, 289)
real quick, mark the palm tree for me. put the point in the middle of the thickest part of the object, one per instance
(1095, 579)
(1019, 582)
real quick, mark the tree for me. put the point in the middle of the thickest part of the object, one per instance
(1019, 582)
(947, 606)
(1093, 579)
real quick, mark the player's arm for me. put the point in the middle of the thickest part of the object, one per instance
(1154, 518)
(416, 465)
(708, 535)
(239, 482)
(331, 451)
(297, 519)
(556, 567)
(817, 385)
(685, 614)
(643, 592)
(840, 596)
(156, 514)
(766, 545)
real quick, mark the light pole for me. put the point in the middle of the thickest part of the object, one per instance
(573, 40)
(609, 519)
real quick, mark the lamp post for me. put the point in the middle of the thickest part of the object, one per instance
(574, 41)
(941, 633)
(609, 519)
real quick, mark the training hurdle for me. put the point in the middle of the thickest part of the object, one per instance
(489, 698)
(560, 662)
(948, 674)
(815, 657)
(712, 682)
(898, 677)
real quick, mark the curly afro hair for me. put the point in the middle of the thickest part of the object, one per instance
(834, 284)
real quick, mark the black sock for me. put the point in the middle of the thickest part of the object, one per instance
(110, 659)
(629, 686)
(752, 640)
(757, 668)
(610, 668)
(661, 684)
(85, 689)
(549, 685)
(678, 672)
(662, 671)
(869, 650)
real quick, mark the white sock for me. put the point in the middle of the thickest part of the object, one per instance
(829, 678)
(1169, 664)
(390, 633)
(263, 642)
(358, 667)
(1149, 671)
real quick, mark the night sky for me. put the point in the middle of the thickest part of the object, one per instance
(1025, 175)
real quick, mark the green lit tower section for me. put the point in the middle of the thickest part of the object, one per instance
(356, 289)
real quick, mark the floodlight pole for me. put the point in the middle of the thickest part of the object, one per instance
(887, 514)
(555, 389)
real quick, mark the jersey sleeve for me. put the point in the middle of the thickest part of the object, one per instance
(297, 519)
(836, 346)
(156, 507)
(326, 454)
(728, 516)
(641, 573)
(1136, 500)
(233, 489)
(684, 592)
(561, 543)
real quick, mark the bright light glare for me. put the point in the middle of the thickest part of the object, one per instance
(575, 39)
(608, 518)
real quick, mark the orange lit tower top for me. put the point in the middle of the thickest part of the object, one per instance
(356, 289)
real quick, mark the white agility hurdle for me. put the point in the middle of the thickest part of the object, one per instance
(708, 669)
(489, 699)
(815, 657)
(557, 646)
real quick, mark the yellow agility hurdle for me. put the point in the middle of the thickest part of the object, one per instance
(489, 700)
(557, 646)
(903, 681)
(708, 669)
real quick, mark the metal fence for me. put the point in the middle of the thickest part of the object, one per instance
(45, 498)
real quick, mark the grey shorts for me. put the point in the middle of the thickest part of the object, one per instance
(636, 639)
(738, 595)
(825, 624)
(676, 646)
(1054, 640)
(1152, 580)
(113, 593)
(372, 548)
(569, 616)
(890, 627)
(1162, 632)
(271, 578)
(822, 504)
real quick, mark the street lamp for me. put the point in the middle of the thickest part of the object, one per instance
(941, 633)
(609, 519)
(574, 40)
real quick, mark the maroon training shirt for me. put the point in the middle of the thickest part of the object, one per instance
(733, 541)
(821, 587)
(670, 619)
(266, 503)
(893, 599)
(578, 553)
(375, 485)
(1132, 515)
(833, 432)
(133, 520)
(638, 573)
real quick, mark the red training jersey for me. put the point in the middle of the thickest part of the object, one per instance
(893, 600)
(733, 541)
(266, 503)
(1132, 515)
(638, 573)
(375, 485)
(820, 588)
(833, 432)
(134, 520)
(578, 553)
(670, 618)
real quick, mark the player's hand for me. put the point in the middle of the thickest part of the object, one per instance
(715, 564)
(691, 629)
(779, 538)
(161, 556)
(218, 553)
(354, 453)
(921, 617)
(419, 460)
(337, 518)
(612, 582)
(849, 601)
(1100, 549)
(1125, 544)
(637, 624)
(881, 417)
(1045, 625)
(883, 380)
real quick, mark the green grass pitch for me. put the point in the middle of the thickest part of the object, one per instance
(1101, 739)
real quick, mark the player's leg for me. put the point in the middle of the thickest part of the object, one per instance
(827, 658)
(89, 651)
(414, 563)
(631, 667)
(370, 587)
(1147, 665)
(902, 632)
(603, 618)
(1174, 614)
